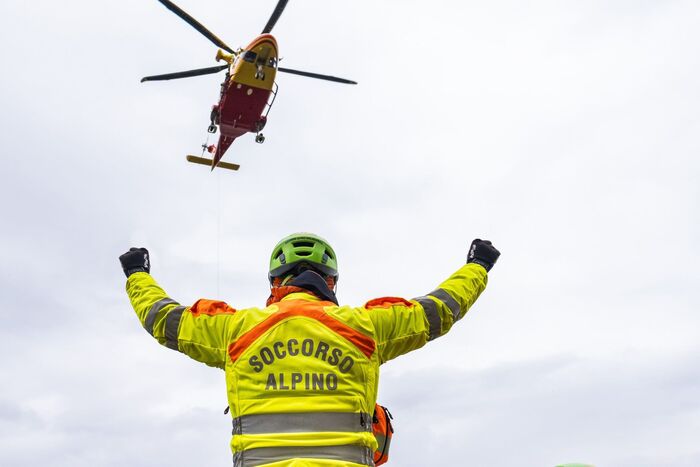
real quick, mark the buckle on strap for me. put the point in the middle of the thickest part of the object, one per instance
(261, 456)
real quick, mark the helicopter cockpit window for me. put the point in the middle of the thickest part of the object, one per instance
(249, 56)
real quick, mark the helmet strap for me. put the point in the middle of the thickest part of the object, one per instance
(280, 281)
(287, 279)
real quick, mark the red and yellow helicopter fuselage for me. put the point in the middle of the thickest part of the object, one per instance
(249, 89)
(246, 92)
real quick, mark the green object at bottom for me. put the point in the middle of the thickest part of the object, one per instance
(574, 465)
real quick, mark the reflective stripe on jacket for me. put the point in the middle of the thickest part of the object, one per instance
(302, 373)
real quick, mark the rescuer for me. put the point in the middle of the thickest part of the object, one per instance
(302, 373)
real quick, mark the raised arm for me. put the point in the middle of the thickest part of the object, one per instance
(405, 325)
(201, 331)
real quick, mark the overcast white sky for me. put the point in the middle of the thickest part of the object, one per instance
(565, 132)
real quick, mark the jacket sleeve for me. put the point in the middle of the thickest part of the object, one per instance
(201, 331)
(405, 325)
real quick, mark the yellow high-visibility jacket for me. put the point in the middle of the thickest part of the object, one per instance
(302, 373)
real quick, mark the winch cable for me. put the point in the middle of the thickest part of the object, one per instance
(218, 233)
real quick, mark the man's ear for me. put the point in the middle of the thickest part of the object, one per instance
(330, 282)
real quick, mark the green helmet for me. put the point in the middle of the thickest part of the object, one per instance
(301, 248)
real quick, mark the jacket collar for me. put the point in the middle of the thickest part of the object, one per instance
(308, 285)
(277, 294)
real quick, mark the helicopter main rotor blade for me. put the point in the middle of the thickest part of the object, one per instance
(275, 16)
(196, 24)
(186, 74)
(316, 75)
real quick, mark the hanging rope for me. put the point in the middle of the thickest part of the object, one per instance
(218, 233)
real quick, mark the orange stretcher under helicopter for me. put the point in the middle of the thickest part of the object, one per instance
(249, 89)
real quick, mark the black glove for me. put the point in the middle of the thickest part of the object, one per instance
(483, 252)
(135, 260)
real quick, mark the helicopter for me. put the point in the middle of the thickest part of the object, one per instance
(248, 90)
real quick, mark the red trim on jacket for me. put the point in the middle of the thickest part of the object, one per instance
(211, 308)
(386, 302)
(306, 309)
